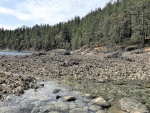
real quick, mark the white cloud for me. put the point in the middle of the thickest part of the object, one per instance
(12, 27)
(18, 14)
(51, 11)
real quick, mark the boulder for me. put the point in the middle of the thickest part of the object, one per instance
(101, 102)
(132, 106)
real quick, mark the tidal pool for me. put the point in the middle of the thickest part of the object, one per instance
(43, 100)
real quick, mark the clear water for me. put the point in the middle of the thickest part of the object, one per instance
(31, 98)
(13, 53)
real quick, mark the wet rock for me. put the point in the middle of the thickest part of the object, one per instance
(89, 96)
(19, 91)
(95, 108)
(101, 102)
(101, 111)
(57, 97)
(29, 79)
(1, 97)
(36, 86)
(61, 106)
(10, 109)
(70, 98)
(1, 89)
(8, 98)
(2, 81)
(78, 110)
(53, 112)
(80, 103)
(72, 105)
(35, 110)
(132, 106)
(56, 90)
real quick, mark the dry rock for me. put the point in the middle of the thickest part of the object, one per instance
(101, 102)
(132, 106)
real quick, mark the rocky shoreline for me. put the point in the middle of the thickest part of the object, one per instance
(112, 76)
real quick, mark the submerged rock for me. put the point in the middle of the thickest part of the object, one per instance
(56, 90)
(70, 98)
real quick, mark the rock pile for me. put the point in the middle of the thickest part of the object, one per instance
(11, 84)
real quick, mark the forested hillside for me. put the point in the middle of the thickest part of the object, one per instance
(118, 24)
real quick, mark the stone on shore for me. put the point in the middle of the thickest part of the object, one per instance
(70, 98)
(101, 102)
(89, 96)
(132, 106)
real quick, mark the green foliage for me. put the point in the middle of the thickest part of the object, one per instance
(134, 38)
(120, 23)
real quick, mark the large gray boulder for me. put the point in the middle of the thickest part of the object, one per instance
(130, 105)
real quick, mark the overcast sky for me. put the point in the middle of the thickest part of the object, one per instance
(15, 13)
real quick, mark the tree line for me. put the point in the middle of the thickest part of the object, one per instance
(118, 24)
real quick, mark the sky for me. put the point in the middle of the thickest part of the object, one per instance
(16, 13)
